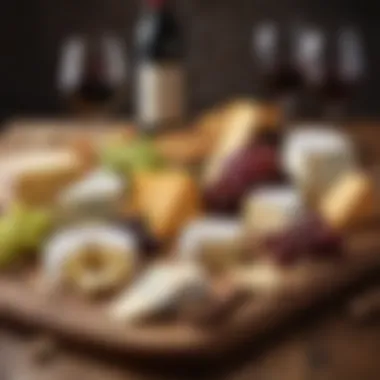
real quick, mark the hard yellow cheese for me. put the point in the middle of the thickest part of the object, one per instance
(167, 200)
(348, 201)
(243, 120)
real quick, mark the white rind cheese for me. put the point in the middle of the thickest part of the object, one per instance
(158, 289)
(69, 245)
(315, 157)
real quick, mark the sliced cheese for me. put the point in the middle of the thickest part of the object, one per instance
(350, 199)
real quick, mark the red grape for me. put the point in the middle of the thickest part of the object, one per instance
(250, 167)
(308, 237)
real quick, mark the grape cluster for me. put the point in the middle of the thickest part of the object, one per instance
(130, 157)
(22, 230)
(252, 166)
(308, 237)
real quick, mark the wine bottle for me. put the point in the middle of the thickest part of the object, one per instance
(160, 80)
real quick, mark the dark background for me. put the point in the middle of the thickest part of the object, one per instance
(218, 36)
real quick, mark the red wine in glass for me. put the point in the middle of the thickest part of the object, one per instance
(92, 73)
(332, 65)
(279, 74)
(346, 71)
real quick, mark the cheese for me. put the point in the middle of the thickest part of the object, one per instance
(243, 121)
(167, 200)
(213, 241)
(67, 254)
(270, 209)
(349, 201)
(315, 157)
(261, 277)
(38, 177)
(99, 191)
(160, 287)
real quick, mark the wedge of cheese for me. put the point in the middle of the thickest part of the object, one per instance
(98, 193)
(161, 287)
(349, 201)
(166, 199)
(37, 177)
(242, 121)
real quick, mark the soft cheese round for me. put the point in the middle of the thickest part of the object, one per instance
(69, 243)
(317, 141)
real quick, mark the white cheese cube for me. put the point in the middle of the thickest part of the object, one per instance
(315, 157)
(214, 241)
(270, 209)
(158, 289)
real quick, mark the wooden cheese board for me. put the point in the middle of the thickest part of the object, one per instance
(298, 288)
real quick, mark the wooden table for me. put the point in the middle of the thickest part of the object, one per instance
(327, 346)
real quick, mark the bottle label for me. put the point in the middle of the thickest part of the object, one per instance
(160, 93)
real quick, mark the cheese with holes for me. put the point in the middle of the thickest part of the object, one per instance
(349, 201)
(166, 199)
(243, 121)
(315, 157)
(216, 242)
(270, 209)
(161, 286)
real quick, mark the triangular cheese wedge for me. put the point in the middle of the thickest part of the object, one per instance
(243, 120)
(349, 201)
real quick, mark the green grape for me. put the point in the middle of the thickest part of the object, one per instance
(9, 242)
(31, 224)
(115, 158)
(131, 157)
(22, 229)
(35, 225)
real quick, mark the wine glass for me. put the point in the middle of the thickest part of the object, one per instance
(92, 73)
(346, 70)
(277, 68)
